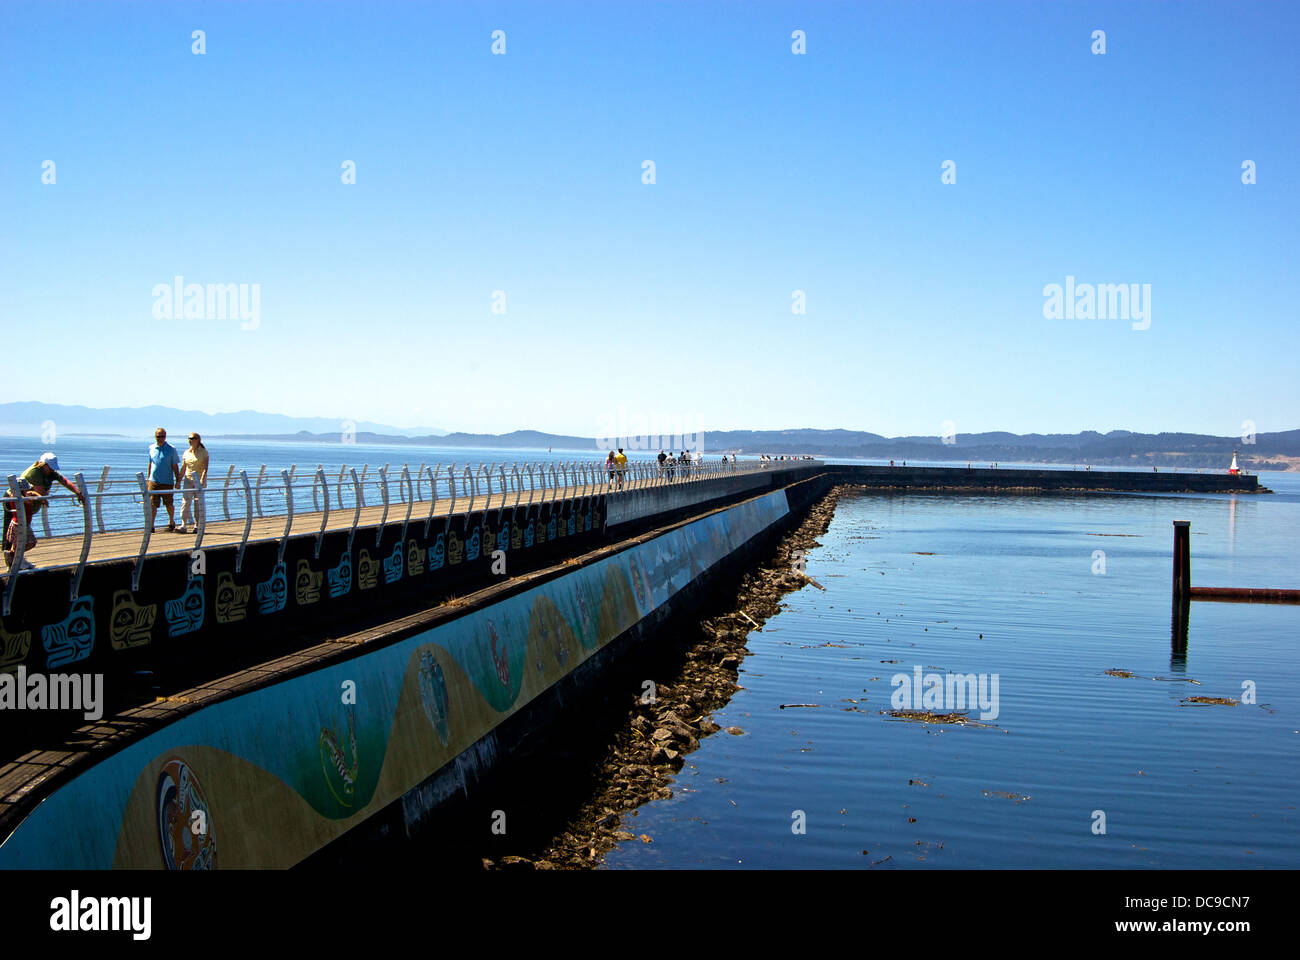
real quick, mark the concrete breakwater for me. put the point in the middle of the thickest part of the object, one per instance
(1024, 480)
(371, 730)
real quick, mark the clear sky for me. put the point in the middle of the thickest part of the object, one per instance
(774, 172)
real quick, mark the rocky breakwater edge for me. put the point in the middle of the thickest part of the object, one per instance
(650, 746)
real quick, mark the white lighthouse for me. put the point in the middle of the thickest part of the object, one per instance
(1232, 470)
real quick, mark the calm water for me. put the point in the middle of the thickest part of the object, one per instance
(126, 457)
(917, 579)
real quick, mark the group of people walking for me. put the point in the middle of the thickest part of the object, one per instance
(167, 471)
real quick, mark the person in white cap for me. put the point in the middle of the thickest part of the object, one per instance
(34, 484)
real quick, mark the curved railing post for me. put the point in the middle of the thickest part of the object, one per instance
(225, 492)
(501, 472)
(532, 484)
(316, 480)
(325, 517)
(286, 476)
(518, 480)
(419, 481)
(365, 468)
(342, 473)
(85, 537)
(451, 487)
(470, 484)
(200, 498)
(383, 492)
(20, 542)
(260, 474)
(405, 481)
(99, 499)
(248, 520)
(356, 510)
(148, 531)
(433, 498)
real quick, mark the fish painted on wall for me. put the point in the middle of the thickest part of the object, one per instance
(13, 648)
(306, 584)
(130, 624)
(340, 767)
(414, 559)
(273, 593)
(500, 654)
(433, 695)
(72, 638)
(340, 576)
(186, 832)
(185, 613)
(393, 565)
(232, 599)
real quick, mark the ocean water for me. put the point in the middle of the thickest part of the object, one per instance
(126, 457)
(1012, 586)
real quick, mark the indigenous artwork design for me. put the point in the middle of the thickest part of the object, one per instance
(283, 762)
(550, 528)
(414, 559)
(340, 575)
(437, 553)
(13, 648)
(367, 571)
(393, 565)
(530, 532)
(516, 536)
(129, 623)
(455, 551)
(185, 613)
(273, 593)
(232, 599)
(185, 829)
(503, 538)
(472, 544)
(307, 583)
(73, 637)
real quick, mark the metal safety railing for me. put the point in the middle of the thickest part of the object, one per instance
(117, 518)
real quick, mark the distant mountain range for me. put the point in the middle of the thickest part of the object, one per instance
(27, 418)
(1270, 451)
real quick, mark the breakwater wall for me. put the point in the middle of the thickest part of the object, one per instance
(985, 479)
(278, 762)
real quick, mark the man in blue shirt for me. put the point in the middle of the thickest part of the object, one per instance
(164, 473)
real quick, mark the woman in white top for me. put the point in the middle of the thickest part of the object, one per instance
(194, 467)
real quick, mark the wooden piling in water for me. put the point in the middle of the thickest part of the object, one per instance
(1182, 561)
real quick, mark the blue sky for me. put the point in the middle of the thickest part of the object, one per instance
(775, 172)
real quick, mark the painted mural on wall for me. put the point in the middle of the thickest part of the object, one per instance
(281, 771)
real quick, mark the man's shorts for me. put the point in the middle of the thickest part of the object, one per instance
(163, 497)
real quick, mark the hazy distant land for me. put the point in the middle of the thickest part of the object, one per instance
(1269, 451)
